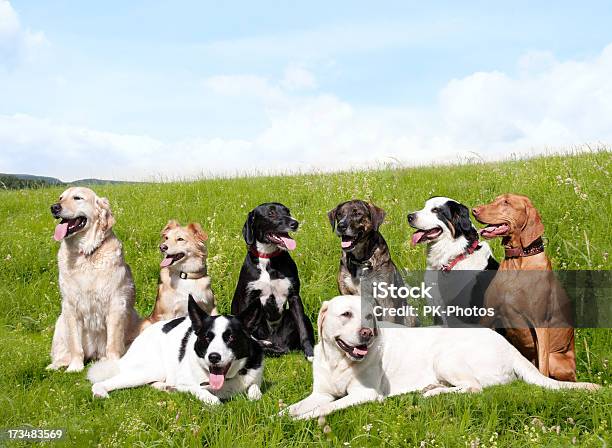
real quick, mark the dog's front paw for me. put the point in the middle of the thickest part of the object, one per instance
(310, 358)
(99, 391)
(55, 366)
(210, 399)
(254, 392)
(75, 366)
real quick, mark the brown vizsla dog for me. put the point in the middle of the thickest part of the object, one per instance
(532, 306)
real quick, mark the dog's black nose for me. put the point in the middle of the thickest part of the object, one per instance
(411, 217)
(294, 225)
(56, 209)
(342, 226)
(366, 333)
(214, 357)
(163, 247)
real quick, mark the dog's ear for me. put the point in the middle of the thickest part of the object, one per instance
(533, 227)
(377, 214)
(105, 216)
(460, 218)
(321, 319)
(248, 232)
(172, 224)
(196, 314)
(331, 215)
(196, 229)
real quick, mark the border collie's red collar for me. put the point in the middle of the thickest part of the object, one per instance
(253, 250)
(469, 251)
(537, 247)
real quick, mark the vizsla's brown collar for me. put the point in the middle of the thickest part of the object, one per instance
(537, 247)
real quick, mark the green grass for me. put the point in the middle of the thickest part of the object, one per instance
(571, 192)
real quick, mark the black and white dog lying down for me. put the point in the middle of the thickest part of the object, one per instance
(268, 292)
(211, 357)
(355, 362)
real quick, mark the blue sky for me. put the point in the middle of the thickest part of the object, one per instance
(137, 90)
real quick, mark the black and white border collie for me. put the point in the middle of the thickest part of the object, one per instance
(211, 357)
(452, 240)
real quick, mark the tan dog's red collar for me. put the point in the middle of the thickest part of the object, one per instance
(537, 247)
(194, 275)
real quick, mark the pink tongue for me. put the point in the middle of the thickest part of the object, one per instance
(416, 237)
(216, 381)
(346, 243)
(289, 243)
(359, 352)
(166, 262)
(60, 231)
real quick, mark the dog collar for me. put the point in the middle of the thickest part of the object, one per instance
(194, 275)
(469, 251)
(253, 251)
(537, 247)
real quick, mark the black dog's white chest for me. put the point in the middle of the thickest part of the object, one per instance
(271, 287)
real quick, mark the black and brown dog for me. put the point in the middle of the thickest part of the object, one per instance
(365, 254)
(267, 296)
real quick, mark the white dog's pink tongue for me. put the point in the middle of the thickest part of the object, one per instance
(346, 243)
(288, 242)
(60, 231)
(359, 352)
(166, 262)
(216, 381)
(416, 237)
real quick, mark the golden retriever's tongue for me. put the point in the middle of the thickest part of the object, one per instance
(60, 231)
(216, 380)
(289, 242)
(417, 236)
(166, 261)
(359, 351)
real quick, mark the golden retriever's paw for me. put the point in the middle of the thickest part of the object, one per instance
(55, 366)
(253, 392)
(75, 366)
(99, 391)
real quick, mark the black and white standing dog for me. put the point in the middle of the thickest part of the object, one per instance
(452, 240)
(268, 290)
(453, 245)
(211, 357)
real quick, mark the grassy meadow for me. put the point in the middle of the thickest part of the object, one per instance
(572, 193)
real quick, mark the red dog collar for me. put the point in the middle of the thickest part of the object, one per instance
(469, 251)
(258, 254)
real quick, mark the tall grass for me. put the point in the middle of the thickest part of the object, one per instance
(571, 193)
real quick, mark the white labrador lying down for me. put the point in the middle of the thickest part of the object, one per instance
(354, 365)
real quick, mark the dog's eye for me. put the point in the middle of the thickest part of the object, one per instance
(435, 210)
(77, 198)
(347, 314)
(230, 338)
(180, 239)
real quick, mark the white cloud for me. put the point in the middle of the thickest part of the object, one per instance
(547, 104)
(16, 43)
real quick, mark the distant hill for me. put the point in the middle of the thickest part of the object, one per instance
(19, 181)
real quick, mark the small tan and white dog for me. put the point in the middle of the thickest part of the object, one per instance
(356, 363)
(183, 273)
(98, 319)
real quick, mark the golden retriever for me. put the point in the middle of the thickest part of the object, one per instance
(98, 319)
(183, 273)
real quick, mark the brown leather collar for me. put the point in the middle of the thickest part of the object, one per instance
(194, 275)
(537, 247)
(258, 254)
